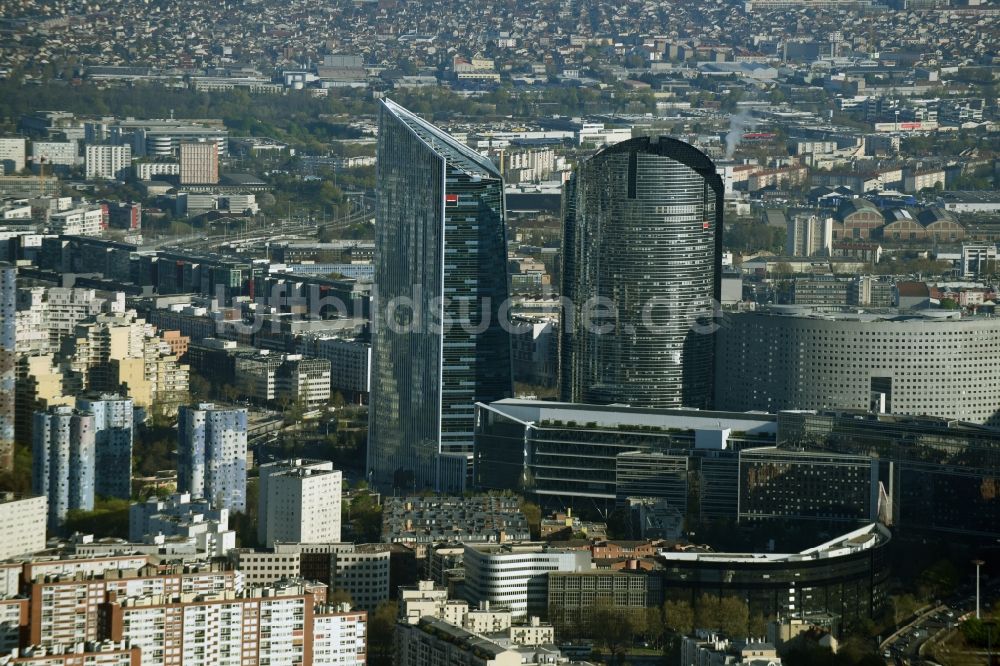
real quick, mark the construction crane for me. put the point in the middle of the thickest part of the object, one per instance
(41, 175)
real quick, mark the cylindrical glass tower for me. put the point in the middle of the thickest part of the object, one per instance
(642, 248)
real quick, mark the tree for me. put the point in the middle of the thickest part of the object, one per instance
(783, 269)
(757, 627)
(734, 617)
(339, 596)
(199, 387)
(533, 514)
(903, 607)
(108, 519)
(382, 634)
(655, 626)
(942, 576)
(706, 612)
(728, 615)
(678, 616)
(612, 627)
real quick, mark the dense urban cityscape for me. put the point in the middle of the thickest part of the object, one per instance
(528, 333)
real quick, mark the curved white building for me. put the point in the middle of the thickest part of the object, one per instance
(933, 363)
(516, 576)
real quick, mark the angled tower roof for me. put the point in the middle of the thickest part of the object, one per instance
(457, 154)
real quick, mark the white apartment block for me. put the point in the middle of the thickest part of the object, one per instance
(339, 636)
(85, 221)
(13, 615)
(303, 506)
(434, 642)
(55, 153)
(20, 521)
(65, 307)
(485, 620)
(150, 170)
(514, 576)
(262, 626)
(808, 235)
(13, 151)
(17, 210)
(915, 181)
(427, 600)
(533, 633)
(57, 598)
(107, 161)
(180, 516)
(113, 416)
(103, 653)
(264, 476)
(305, 380)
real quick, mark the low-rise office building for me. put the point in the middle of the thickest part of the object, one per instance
(515, 576)
(941, 474)
(846, 576)
(566, 454)
(807, 485)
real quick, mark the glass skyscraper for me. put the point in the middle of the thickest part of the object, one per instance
(8, 356)
(438, 345)
(642, 248)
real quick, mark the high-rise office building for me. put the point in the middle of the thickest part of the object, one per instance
(299, 502)
(199, 163)
(642, 251)
(63, 460)
(212, 464)
(441, 277)
(8, 357)
(113, 443)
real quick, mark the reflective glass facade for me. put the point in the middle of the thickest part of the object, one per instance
(852, 586)
(941, 475)
(8, 345)
(438, 346)
(642, 229)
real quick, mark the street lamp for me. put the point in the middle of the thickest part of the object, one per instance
(978, 563)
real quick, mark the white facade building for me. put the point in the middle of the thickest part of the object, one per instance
(268, 470)
(514, 576)
(107, 161)
(83, 221)
(181, 516)
(150, 170)
(13, 151)
(20, 524)
(55, 153)
(339, 636)
(303, 506)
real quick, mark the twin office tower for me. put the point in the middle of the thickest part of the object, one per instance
(641, 274)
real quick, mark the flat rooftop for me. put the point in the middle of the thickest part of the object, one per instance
(535, 412)
(858, 540)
